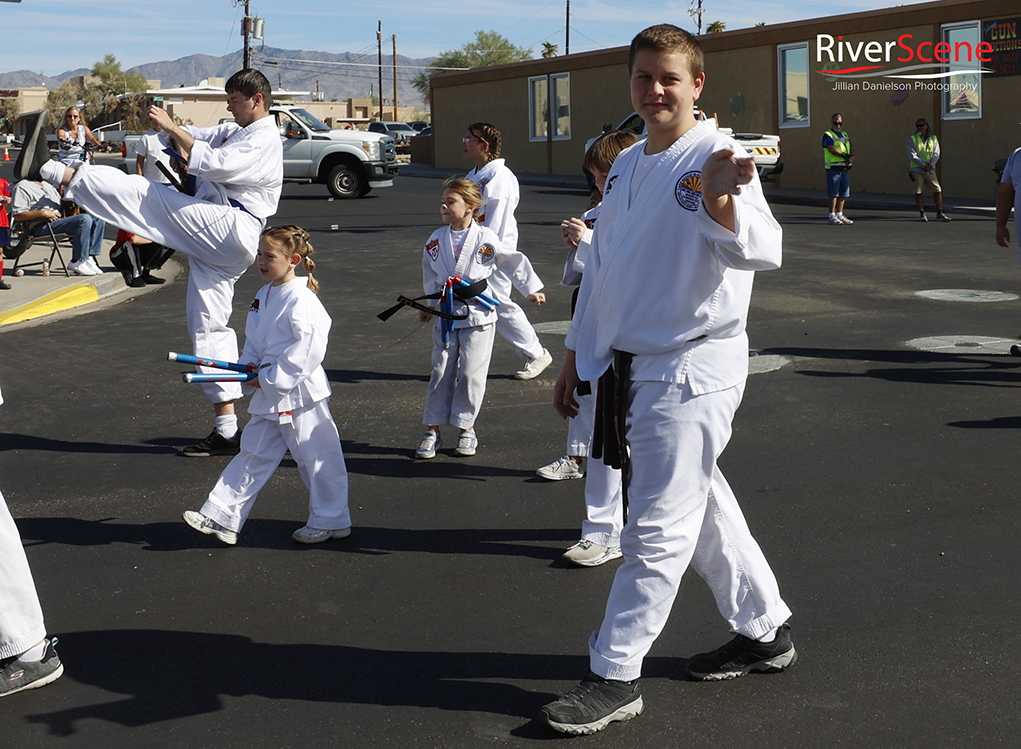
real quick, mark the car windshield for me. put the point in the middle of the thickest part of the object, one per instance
(400, 126)
(309, 121)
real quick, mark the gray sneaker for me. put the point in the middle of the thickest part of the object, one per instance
(587, 553)
(466, 444)
(535, 367)
(560, 469)
(17, 675)
(210, 527)
(593, 705)
(743, 655)
(428, 446)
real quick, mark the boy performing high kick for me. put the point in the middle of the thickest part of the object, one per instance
(238, 168)
(665, 295)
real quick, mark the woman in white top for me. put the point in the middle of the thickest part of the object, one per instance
(72, 136)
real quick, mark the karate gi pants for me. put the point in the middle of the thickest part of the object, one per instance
(314, 442)
(603, 499)
(219, 240)
(681, 511)
(21, 616)
(511, 322)
(457, 385)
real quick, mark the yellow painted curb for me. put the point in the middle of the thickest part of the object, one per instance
(72, 296)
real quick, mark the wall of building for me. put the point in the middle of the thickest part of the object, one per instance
(742, 90)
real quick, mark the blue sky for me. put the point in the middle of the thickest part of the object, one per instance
(46, 36)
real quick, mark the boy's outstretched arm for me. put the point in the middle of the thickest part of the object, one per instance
(722, 176)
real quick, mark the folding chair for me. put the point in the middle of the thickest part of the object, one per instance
(24, 236)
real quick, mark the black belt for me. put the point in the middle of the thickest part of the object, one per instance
(464, 293)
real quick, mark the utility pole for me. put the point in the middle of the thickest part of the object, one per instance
(567, 38)
(395, 78)
(245, 28)
(695, 11)
(379, 51)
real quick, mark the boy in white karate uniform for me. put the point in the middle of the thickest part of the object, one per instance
(285, 342)
(239, 170)
(683, 225)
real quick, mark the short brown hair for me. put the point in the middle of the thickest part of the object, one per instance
(668, 38)
(248, 83)
(607, 147)
(468, 190)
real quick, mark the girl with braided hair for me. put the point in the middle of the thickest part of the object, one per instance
(285, 343)
(500, 196)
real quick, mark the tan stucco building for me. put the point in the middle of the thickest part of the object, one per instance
(780, 79)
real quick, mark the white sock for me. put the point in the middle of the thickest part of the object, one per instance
(227, 426)
(34, 653)
(769, 636)
(53, 172)
(833, 215)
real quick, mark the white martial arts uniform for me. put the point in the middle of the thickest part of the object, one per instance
(21, 616)
(286, 334)
(603, 507)
(668, 284)
(240, 174)
(500, 196)
(457, 385)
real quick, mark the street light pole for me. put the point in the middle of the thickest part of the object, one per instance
(245, 30)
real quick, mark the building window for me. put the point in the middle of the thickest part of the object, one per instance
(962, 92)
(549, 101)
(792, 79)
(538, 108)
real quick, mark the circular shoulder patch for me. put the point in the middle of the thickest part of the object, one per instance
(689, 191)
(485, 254)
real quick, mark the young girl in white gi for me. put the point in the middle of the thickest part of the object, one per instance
(500, 196)
(285, 342)
(460, 364)
(600, 531)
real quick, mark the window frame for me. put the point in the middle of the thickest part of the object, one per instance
(944, 96)
(781, 83)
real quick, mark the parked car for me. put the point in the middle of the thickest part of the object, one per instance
(765, 149)
(426, 131)
(419, 125)
(348, 162)
(401, 132)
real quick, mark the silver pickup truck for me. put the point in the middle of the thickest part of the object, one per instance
(765, 149)
(348, 162)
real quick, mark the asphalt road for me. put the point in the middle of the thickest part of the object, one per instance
(879, 478)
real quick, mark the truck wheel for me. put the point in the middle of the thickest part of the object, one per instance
(346, 181)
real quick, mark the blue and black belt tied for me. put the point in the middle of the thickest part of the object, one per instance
(464, 291)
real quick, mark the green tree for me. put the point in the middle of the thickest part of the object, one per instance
(115, 81)
(715, 27)
(488, 48)
(549, 49)
(9, 111)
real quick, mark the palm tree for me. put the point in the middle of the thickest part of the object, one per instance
(549, 49)
(715, 27)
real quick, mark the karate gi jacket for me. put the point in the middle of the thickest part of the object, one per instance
(285, 338)
(481, 254)
(663, 280)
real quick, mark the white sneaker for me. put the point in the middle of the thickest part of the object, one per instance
(466, 444)
(560, 469)
(834, 221)
(844, 219)
(91, 260)
(587, 553)
(210, 527)
(430, 444)
(81, 268)
(534, 367)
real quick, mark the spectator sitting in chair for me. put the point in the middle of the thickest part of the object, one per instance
(33, 201)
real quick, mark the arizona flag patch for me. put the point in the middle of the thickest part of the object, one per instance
(485, 254)
(688, 191)
(433, 249)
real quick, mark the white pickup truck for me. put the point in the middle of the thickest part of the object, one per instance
(764, 148)
(348, 162)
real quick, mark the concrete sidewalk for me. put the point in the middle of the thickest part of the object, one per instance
(35, 295)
